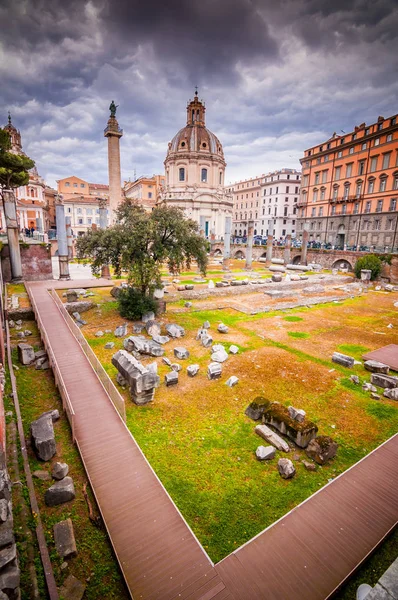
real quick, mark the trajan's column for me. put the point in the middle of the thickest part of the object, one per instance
(113, 133)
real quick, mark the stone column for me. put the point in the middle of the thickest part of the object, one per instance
(227, 243)
(10, 215)
(212, 242)
(249, 245)
(69, 236)
(62, 241)
(105, 271)
(304, 245)
(270, 240)
(114, 133)
(202, 226)
(288, 245)
(39, 224)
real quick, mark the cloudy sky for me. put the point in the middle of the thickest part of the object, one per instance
(277, 77)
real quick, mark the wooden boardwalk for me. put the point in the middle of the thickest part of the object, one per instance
(304, 556)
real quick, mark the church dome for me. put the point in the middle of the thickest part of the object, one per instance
(195, 137)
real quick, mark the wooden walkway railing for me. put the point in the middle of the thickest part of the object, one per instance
(306, 555)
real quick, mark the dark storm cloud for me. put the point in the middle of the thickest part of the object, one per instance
(277, 76)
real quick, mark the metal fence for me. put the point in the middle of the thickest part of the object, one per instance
(114, 396)
(66, 403)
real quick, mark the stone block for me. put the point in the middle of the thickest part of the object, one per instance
(64, 539)
(343, 359)
(391, 394)
(219, 356)
(61, 492)
(207, 341)
(176, 367)
(171, 378)
(233, 349)
(81, 306)
(265, 452)
(272, 438)
(10, 579)
(72, 589)
(148, 316)
(297, 414)
(232, 381)
(141, 381)
(286, 468)
(214, 370)
(376, 367)
(193, 370)
(181, 353)
(59, 470)
(321, 449)
(43, 439)
(175, 331)
(153, 328)
(257, 408)
(109, 345)
(26, 354)
(278, 416)
(222, 328)
(121, 331)
(143, 346)
(384, 381)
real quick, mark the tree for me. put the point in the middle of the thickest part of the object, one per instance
(141, 242)
(371, 263)
(14, 168)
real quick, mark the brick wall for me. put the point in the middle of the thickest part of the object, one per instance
(36, 262)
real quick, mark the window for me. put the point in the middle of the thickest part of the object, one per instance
(82, 185)
(69, 210)
(323, 190)
(89, 211)
(67, 184)
(296, 190)
(305, 180)
(335, 192)
(393, 121)
(79, 211)
(337, 173)
(361, 167)
(220, 178)
(376, 225)
(379, 126)
(348, 171)
(287, 189)
(386, 160)
(393, 204)
(80, 221)
(181, 174)
(317, 175)
(89, 220)
(358, 189)
(367, 207)
(364, 146)
(383, 184)
(321, 211)
(356, 208)
(371, 186)
(285, 211)
(377, 142)
(379, 206)
(333, 209)
(149, 194)
(395, 182)
(373, 164)
(367, 131)
(389, 137)
(203, 175)
(339, 154)
(346, 190)
(344, 209)
(326, 159)
(351, 150)
(315, 196)
(75, 185)
(354, 136)
(324, 176)
(313, 212)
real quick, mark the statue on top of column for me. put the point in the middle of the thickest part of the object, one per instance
(112, 108)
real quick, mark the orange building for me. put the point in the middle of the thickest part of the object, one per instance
(82, 201)
(144, 190)
(349, 188)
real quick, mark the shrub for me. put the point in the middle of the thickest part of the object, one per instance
(133, 304)
(370, 262)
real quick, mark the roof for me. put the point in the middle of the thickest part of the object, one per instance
(99, 186)
(196, 138)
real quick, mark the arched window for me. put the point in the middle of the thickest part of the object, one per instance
(346, 190)
(371, 186)
(358, 191)
(182, 174)
(383, 183)
(323, 190)
(335, 192)
(220, 179)
(315, 195)
(395, 181)
(203, 176)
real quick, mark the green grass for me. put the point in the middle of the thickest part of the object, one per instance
(298, 335)
(353, 350)
(37, 393)
(293, 319)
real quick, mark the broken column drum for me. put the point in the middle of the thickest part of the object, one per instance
(63, 256)
(141, 381)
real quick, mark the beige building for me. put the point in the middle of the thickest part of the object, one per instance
(195, 168)
(270, 201)
(82, 200)
(32, 209)
(145, 190)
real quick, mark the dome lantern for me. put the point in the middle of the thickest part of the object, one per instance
(196, 111)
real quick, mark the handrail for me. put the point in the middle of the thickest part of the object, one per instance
(110, 389)
(66, 403)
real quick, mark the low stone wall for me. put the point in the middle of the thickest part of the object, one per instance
(36, 262)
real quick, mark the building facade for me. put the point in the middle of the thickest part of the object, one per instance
(194, 171)
(270, 201)
(82, 200)
(349, 189)
(145, 190)
(32, 209)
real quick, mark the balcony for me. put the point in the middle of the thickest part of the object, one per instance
(113, 130)
(353, 198)
(301, 203)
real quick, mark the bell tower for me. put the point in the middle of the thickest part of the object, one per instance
(113, 132)
(15, 136)
(196, 111)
